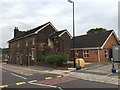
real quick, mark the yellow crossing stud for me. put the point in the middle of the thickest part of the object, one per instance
(48, 78)
(58, 76)
(20, 83)
(3, 86)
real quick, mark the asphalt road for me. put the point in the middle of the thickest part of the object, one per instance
(15, 80)
(11, 79)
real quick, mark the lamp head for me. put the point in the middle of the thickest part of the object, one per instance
(70, 1)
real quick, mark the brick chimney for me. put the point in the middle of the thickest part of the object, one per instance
(16, 31)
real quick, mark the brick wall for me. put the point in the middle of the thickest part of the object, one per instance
(108, 46)
(24, 52)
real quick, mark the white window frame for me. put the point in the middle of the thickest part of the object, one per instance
(76, 53)
(33, 41)
(26, 43)
(85, 53)
(33, 53)
(18, 44)
(106, 53)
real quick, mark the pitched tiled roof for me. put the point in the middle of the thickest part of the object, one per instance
(31, 31)
(92, 40)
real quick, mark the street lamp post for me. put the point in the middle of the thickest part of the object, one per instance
(73, 34)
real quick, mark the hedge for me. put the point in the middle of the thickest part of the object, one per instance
(54, 59)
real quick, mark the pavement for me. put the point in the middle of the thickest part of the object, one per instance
(97, 72)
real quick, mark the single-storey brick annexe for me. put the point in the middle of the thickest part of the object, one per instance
(96, 47)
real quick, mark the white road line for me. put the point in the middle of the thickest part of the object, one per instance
(33, 82)
(110, 73)
(18, 76)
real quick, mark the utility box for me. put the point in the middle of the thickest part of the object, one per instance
(116, 53)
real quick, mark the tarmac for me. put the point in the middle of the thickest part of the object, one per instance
(93, 72)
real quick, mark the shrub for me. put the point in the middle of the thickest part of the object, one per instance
(42, 58)
(54, 59)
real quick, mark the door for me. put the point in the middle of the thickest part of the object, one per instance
(21, 60)
(29, 57)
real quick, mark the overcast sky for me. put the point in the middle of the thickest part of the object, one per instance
(27, 14)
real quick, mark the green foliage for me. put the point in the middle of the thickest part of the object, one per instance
(54, 59)
(3, 51)
(96, 30)
(42, 58)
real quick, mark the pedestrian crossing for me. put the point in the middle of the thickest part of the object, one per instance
(55, 81)
(27, 82)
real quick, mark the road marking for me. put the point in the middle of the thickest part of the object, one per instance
(111, 73)
(18, 76)
(33, 82)
(48, 78)
(3, 86)
(20, 83)
(58, 76)
(60, 88)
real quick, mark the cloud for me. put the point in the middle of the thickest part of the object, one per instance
(27, 14)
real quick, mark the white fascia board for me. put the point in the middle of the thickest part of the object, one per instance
(86, 48)
(116, 37)
(65, 32)
(41, 28)
(44, 27)
(109, 37)
(53, 26)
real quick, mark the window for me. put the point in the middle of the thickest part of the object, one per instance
(26, 43)
(33, 42)
(107, 53)
(17, 57)
(33, 53)
(76, 53)
(85, 53)
(18, 44)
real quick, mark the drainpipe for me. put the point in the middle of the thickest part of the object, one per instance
(98, 55)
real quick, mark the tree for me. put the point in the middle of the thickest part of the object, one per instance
(96, 30)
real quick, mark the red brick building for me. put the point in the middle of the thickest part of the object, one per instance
(27, 46)
(95, 47)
